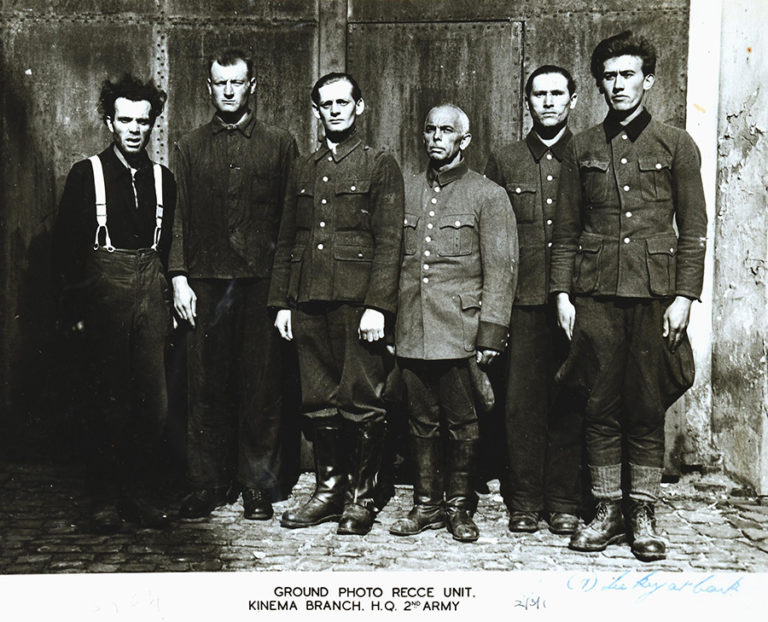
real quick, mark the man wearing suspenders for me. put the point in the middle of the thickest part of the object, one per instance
(110, 248)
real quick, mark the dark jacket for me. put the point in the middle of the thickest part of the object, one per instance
(530, 171)
(341, 230)
(620, 191)
(231, 189)
(459, 266)
(130, 227)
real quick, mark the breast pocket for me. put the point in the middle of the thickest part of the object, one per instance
(523, 199)
(456, 235)
(596, 181)
(351, 208)
(587, 275)
(410, 241)
(655, 177)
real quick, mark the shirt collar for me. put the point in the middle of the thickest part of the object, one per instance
(633, 129)
(444, 178)
(343, 149)
(244, 125)
(538, 148)
(118, 158)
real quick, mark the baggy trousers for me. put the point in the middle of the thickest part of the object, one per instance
(127, 320)
(234, 362)
(543, 420)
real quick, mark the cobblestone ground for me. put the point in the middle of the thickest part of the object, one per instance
(709, 524)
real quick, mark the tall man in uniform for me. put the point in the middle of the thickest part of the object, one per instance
(111, 245)
(232, 174)
(335, 287)
(544, 442)
(455, 298)
(624, 281)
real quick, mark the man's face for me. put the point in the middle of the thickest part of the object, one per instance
(131, 125)
(337, 109)
(443, 135)
(230, 87)
(623, 84)
(550, 102)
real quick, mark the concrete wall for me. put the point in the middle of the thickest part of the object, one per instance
(740, 314)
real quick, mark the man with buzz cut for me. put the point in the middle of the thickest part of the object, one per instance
(111, 245)
(543, 423)
(232, 175)
(627, 261)
(334, 286)
(457, 283)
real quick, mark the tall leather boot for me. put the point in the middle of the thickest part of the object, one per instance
(427, 511)
(462, 459)
(367, 442)
(327, 501)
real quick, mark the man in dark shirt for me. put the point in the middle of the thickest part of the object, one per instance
(110, 248)
(624, 281)
(334, 284)
(232, 173)
(543, 427)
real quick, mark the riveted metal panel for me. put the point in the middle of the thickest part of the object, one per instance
(81, 7)
(245, 9)
(405, 69)
(284, 80)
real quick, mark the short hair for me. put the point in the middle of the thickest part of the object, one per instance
(229, 57)
(546, 69)
(336, 76)
(131, 87)
(463, 118)
(625, 43)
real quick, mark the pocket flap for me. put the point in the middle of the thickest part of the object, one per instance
(662, 245)
(597, 164)
(305, 188)
(297, 253)
(353, 186)
(411, 220)
(515, 188)
(654, 163)
(469, 301)
(457, 220)
(349, 252)
(590, 243)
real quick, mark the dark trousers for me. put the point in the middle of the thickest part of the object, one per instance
(235, 387)
(619, 344)
(543, 420)
(339, 372)
(439, 391)
(127, 319)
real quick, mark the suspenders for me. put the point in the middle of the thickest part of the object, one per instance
(101, 205)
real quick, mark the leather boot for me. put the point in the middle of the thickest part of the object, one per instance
(327, 501)
(462, 458)
(427, 511)
(367, 440)
(606, 528)
(646, 544)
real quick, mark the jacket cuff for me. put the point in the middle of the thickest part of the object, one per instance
(492, 336)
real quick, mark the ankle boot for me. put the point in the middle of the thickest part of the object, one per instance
(606, 528)
(462, 458)
(327, 501)
(367, 440)
(427, 511)
(646, 544)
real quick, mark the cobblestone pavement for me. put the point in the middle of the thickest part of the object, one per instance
(708, 521)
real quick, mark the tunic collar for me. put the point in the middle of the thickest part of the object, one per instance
(443, 178)
(538, 148)
(343, 149)
(633, 129)
(244, 125)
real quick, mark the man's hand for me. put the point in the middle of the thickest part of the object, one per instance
(566, 314)
(676, 321)
(371, 326)
(184, 299)
(485, 357)
(283, 324)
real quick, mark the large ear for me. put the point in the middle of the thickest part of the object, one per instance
(359, 106)
(648, 81)
(210, 86)
(574, 98)
(315, 110)
(252, 86)
(465, 140)
(110, 125)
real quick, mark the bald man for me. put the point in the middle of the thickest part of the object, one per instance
(460, 252)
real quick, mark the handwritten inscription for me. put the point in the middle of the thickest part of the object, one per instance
(652, 583)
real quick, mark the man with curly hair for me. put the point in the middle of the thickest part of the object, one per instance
(111, 245)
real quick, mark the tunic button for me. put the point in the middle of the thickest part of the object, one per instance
(319, 247)
(427, 253)
(549, 222)
(658, 165)
(626, 240)
(437, 188)
(549, 156)
(324, 201)
(549, 244)
(405, 221)
(427, 239)
(549, 177)
(322, 223)
(549, 201)
(518, 190)
(325, 178)
(425, 279)
(429, 225)
(360, 255)
(626, 188)
(431, 213)
(302, 190)
(457, 223)
(426, 266)
(433, 201)
(353, 188)
(330, 158)
(623, 137)
(628, 214)
(623, 160)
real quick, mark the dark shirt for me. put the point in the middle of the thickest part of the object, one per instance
(530, 172)
(232, 182)
(457, 280)
(341, 230)
(131, 225)
(620, 191)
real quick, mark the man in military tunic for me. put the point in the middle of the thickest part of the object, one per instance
(334, 284)
(456, 289)
(543, 422)
(624, 282)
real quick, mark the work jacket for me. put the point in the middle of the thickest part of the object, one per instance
(459, 268)
(621, 189)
